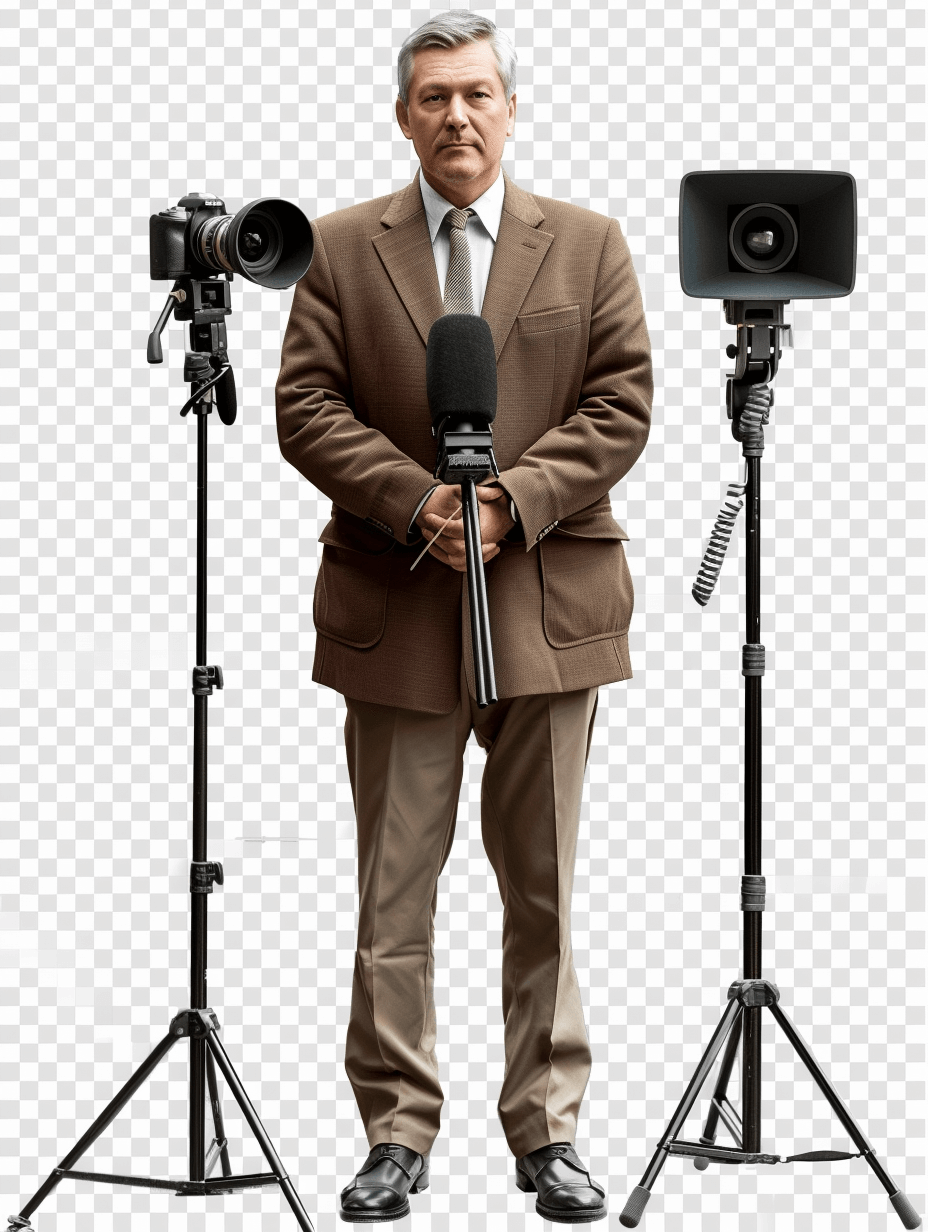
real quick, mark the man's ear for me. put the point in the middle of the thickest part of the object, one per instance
(511, 126)
(402, 118)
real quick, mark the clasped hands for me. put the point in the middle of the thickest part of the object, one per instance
(495, 522)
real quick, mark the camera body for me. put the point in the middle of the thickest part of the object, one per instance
(172, 235)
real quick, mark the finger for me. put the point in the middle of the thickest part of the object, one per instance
(490, 494)
(447, 558)
(452, 530)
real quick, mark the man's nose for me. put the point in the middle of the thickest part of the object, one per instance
(456, 115)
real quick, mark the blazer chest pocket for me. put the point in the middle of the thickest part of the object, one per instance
(350, 599)
(550, 320)
(542, 381)
(587, 590)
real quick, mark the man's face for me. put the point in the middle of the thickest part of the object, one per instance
(458, 118)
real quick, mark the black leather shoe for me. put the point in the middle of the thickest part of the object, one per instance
(566, 1191)
(379, 1190)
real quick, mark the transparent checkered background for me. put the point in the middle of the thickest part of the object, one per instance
(112, 111)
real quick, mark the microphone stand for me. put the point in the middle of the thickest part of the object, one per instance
(760, 329)
(205, 304)
(465, 457)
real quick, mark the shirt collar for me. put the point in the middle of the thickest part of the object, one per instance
(488, 208)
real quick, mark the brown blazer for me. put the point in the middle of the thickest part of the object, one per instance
(574, 373)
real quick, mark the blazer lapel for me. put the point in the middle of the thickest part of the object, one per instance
(519, 252)
(406, 252)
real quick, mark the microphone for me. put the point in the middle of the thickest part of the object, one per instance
(460, 370)
(460, 378)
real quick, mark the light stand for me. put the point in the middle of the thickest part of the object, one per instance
(760, 326)
(204, 303)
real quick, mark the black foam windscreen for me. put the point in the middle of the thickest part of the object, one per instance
(460, 369)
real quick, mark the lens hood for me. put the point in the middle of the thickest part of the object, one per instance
(270, 242)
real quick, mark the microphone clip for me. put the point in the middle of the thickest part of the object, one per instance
(465, 452)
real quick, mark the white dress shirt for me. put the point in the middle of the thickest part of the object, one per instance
(481, 233)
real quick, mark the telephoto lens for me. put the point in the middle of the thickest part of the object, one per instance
(269, 242)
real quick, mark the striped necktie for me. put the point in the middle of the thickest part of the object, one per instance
(458, 294)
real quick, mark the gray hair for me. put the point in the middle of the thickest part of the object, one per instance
(454, 29)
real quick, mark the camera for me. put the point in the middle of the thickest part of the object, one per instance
(768, 235)
(201, 247)
(269, 242)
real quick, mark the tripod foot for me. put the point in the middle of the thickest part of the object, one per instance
(634, 1208)
(700, 1164)
(17, 1221)
(905, 1210)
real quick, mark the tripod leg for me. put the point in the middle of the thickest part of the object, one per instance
(638, 1198)
(217, 1115)
(234, 1084)
(901, 1204)
(103, 1121)
(720, 1094)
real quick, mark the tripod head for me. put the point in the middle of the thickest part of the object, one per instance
(204, 303)
(762, 335)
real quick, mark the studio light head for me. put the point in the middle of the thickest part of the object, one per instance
(768, 235)
(269, 242)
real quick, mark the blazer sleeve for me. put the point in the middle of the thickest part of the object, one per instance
(574, 464)
(354, 465)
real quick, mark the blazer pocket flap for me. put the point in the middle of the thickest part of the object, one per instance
(587, 590)
(350, 599)
(344, 530)
(551, 319)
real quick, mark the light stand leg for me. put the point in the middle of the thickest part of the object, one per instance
(103, 1121)
(248, 1112)
(901, 1204)
(638, 1198)
(720, 1100)
(221, 1144)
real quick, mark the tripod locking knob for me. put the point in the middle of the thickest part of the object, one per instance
(202, 875)
(205, 679)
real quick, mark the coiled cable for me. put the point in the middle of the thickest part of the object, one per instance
(714, 556)
(753, 420)
(751, 423)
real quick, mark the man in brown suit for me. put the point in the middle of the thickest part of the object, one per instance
(557, 286)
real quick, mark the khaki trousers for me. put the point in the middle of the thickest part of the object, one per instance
(406, 768)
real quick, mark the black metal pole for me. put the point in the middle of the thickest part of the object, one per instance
(198, 901)
(478, 594)
(751, 1054)
(474, 559)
